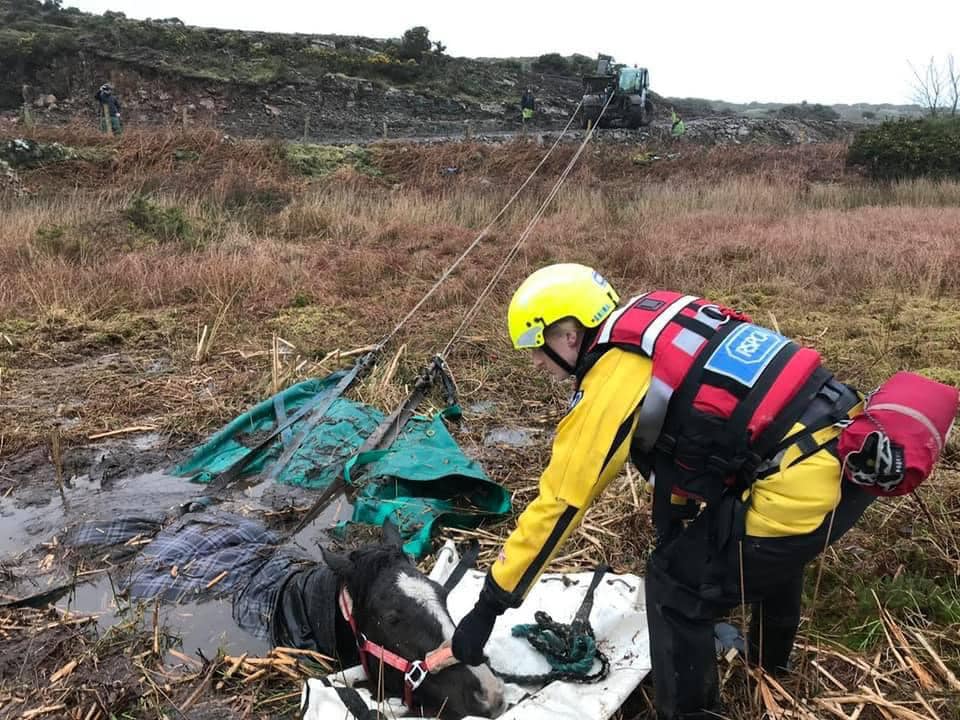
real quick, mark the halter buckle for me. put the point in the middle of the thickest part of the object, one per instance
(415, 675)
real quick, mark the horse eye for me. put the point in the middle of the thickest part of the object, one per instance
(391, 617)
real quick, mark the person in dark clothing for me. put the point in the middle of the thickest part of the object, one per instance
(108, 100)
(527, 106)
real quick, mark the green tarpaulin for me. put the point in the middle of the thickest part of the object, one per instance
(421, 479)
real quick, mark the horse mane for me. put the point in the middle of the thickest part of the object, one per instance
(368, 562)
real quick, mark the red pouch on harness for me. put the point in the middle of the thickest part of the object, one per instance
(892, 447)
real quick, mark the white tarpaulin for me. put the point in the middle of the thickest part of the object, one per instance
(619, 622)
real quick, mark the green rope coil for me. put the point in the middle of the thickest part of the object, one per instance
(571, 651)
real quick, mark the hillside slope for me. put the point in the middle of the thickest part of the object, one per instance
(322, 87)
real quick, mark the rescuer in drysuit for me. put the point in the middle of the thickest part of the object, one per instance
(735, 426)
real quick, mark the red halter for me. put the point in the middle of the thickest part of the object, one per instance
(414, 671)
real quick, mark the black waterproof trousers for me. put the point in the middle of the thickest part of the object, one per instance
(693, 577)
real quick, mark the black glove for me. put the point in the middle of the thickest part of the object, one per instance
(474, 630)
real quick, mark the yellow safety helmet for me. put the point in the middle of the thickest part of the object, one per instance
(556, 292)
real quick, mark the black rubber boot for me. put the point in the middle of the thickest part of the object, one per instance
(682, 654)
(773, 626)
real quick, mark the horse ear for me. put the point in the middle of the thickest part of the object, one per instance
(391, 534)
(340, 564)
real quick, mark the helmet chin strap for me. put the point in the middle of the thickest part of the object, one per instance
(555, 357)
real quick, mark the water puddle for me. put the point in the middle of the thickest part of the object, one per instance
(37, 514)
(511, 437)
(207, 627)
(484, 407)
(319, 531)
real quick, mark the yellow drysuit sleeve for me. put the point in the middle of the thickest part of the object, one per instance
(591, 445)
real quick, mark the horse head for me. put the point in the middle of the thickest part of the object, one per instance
(400, 620)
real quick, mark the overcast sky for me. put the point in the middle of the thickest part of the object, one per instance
(841, 51)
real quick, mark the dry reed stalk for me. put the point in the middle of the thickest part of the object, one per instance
(771, 706)
(905, 658)
(870, 697)
(281, 698)
(312, 654)
(185, 659)
(337, 355)
(207, 336)
(274, 366)
(255, 676)
(941, 667)
(633, 488)
(122, 431)
(779, 690)
(823, 671)
(201, 343)
(156, 627)
(391, 370)
(46, 710)
(202, 686)
(217, 579)
(56, 454)
(926, 705)
(924, 678)
(832, 708)
(64, 671)
(270, 660)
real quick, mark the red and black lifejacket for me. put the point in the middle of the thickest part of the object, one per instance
(724, 391)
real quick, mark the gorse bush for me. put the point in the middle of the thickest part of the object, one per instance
(415, 43)
(55, 240)
(166, 224)
(929, 147)
(552, 63)
(807, 111)
(320, 160)
(572, 66)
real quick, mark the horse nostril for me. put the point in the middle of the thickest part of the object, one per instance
(492, 700)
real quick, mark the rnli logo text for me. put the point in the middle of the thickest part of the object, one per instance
(751, 345)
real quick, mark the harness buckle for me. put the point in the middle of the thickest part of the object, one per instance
(415, 675)
(665, 444)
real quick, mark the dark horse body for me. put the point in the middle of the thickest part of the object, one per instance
(397, 608)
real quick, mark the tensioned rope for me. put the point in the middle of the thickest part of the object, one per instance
(472, 312)
(483, 233)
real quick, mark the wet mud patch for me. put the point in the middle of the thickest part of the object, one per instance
(32, 474)
(53, 660)
(61, 339)
(80, 399)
